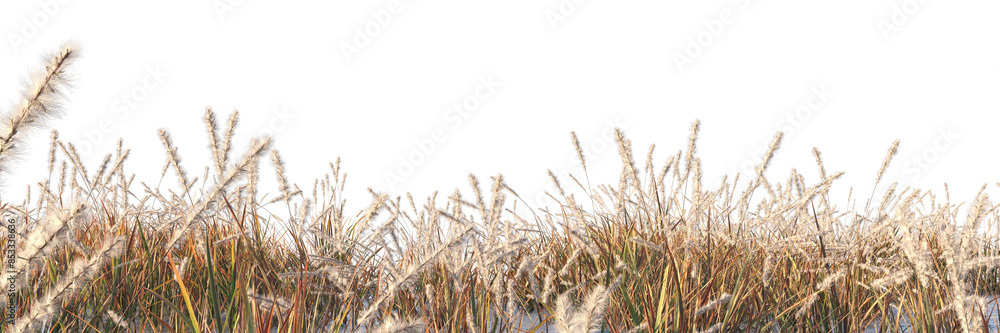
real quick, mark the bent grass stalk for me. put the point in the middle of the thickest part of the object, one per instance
(655, 252)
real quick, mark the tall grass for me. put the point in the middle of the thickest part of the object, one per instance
(656, 252)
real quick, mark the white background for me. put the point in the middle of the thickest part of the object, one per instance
(926, 73)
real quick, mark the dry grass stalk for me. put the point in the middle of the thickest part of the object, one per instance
(40, 101)
(79, 273)
(804, 266)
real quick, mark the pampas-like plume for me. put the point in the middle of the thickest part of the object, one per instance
(590, 314)
(713, 304)
(52, 150)
(639, 328)
(41, 101)
(378, 270)
(892, 279)
(412, 271)
(572, 258)
(625, 152)
(117, 319)
(269, 303)
(646, 243)
(888, 157)
(79, 273)
(583, 161)
(228, 139)
(775, 143)
(257, 148)
(821, 287)
(279, 167)
(44, 240)
(692, 141)
(174, 160)
(211, 127)
(119, 162)
(394, 325)
(712, 329)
